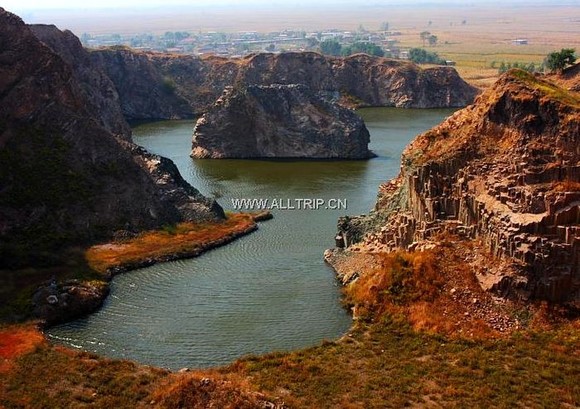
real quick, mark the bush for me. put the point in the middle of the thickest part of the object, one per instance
(422, 56)
(558, 60)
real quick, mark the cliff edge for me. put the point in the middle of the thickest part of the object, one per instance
(65, 179)
(505, 172)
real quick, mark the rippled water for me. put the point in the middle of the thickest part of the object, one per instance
(265, 292)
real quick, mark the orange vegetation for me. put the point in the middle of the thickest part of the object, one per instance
(16, 341)
(401, 279)
(566, 186)
(436, 291)
(209, 389)
(184, 239)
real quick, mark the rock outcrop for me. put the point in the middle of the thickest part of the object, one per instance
(283, 121)
(99, 92)
(196, 83)
(55, 302)
(145, 92)
(64, 177)
(505, 171)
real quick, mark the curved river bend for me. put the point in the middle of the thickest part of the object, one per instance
(265, 292)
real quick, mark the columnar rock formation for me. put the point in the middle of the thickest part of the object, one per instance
(193, 84)
(284, 121)
(505, 170)
(65, 179)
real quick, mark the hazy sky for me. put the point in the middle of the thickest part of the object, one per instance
(75, 4)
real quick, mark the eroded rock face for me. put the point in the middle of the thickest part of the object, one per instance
(506, 171)
(360, 80)
(64, 177)
(282, 121)
(99, 92)
(145, 92)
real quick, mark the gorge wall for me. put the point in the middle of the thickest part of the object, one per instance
(69, 175)
(505, 171)
(186, 86)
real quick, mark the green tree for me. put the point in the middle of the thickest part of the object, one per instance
(432, 40)
(363, 47)
(330, 47)
(558, 60)
(424, 35)
(422, 56)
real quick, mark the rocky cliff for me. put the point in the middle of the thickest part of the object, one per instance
(196, 83)
(145, 91)
(64, 177)
(99, 92)
(284, 121)
(504, 171)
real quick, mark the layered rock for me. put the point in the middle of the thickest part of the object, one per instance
(505, 171)
(64, 177)
(283, 121)
(361, 80)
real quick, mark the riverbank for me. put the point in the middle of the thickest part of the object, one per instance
(184, 240)
(81, 286)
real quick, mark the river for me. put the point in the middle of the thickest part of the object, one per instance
(268, 291)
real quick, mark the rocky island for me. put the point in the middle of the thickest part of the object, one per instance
(279, 121)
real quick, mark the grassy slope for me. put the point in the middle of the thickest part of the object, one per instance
(397, 357)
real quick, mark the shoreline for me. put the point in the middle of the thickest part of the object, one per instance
(60, 302)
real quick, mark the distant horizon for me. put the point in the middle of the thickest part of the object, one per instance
(73, 5)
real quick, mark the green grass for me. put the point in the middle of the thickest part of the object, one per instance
(387, 364)
(547, 88)
(50, 378)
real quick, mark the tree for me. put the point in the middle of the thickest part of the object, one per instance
(424, 35)
(422, 56)
(432, 40)
(363, 47)
(558, 60)
(330, 47)
(271, 47)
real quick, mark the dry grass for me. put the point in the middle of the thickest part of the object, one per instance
(401, 353)
(183, 239)
(401, 279)
(208, 389)
(547, 88)
(566, 186)
(16, 341)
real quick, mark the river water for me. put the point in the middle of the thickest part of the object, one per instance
(268, 291)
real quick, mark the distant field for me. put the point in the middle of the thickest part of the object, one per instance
(473, 36)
